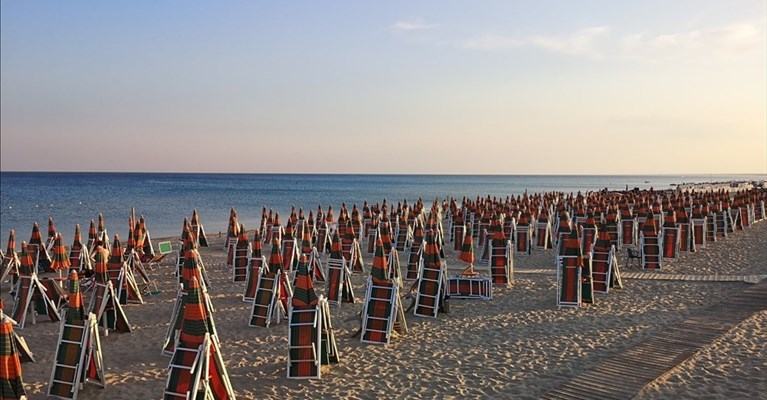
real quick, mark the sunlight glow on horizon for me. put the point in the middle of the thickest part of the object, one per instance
(427, 88)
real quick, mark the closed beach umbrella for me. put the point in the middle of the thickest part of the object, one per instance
(303, 290)
(76, 250)
(336, 250)
(92, 236)
(194, 326)
(76, 311)
(380, 264)
(191, 268)
(100, 259)
(306, 240)
(36, 237)
(11, 248)
(117, 257)
(60, 259)
(26, 264)
(257, 246)
(51, 229)
(467, 250)
(11, 385)
(275, 258)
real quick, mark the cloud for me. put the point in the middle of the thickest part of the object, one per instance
(726, 42)
(411, 25)
(582, 42)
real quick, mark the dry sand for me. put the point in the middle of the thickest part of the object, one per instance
(519, 345)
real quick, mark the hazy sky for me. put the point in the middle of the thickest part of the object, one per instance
(506, 87)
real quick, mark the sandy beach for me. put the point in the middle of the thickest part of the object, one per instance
(518, 345)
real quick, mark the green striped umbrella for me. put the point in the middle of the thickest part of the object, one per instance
(75, 310)
(303, 289)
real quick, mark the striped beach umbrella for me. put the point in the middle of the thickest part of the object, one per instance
(101, 225)
(11, 384)
(197, 230)
(75, 310)
(379, 269)
(26, 264)
(275, 258)
(191, 268)
(10, 262)
(431, 250)
(36, 238)
(293, 216)
(76, 249)
(289, 230)
(130, 244)
(92, 235)
(467, 249)
(256, 246)
(303, 288)
(60, 259)
(306, 239)
(329, 217)
(117, 256)
(11, 247)
(100, 259)
(336, 250)
(195, 325)
(51, 230)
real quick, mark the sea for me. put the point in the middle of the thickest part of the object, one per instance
(164, 199)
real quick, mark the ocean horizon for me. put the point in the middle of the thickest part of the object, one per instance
(165, 198)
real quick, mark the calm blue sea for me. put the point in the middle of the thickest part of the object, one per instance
(166, 198)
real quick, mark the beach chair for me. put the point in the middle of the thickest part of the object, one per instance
(290, 253)
(628, 230)
(523, 240)
(55, 292)
(501, 262)
(604, 266)
(403, 236)
(543, 238)
(78, 358)
(31, 292)
(721, 222)
(463, 287)
(373, 235)
(414, 260)
(107, 309)
(651, 246)
(266, 303)
(686, 236)
(711, 227)
(379, 311)
(457, 233)
(304, 341)
(613, 228)
(241, 259)
(315, 265)
(484, 255)
(671, 238)
(254, 272)
(431, 289)
(328, 348)
(698, 232)
(126, 285)
(339, 286)
(569, 270)
(393, 268)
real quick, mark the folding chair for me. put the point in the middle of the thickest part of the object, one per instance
(379, 312)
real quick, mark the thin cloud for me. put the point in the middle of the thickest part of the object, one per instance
(579, 43)
(726, 42)
(412, 25)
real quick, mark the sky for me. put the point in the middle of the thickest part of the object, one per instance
(491, 87)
